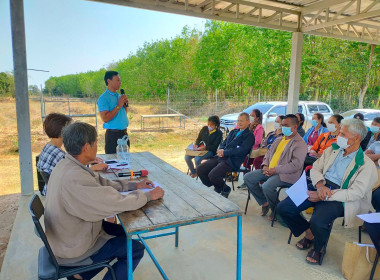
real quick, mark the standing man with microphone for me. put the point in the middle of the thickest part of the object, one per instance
(113, 109)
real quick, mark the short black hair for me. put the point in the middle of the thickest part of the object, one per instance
(360, 116)
(281, 117)
(293, 118)
(376, 120)
(76, 135)
(54, 123)
(215, 120)
(109, 75)
(338, 117)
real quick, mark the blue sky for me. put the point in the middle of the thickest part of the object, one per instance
(73, 36)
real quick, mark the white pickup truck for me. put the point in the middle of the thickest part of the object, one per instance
(272, 109)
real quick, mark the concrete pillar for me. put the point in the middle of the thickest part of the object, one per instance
(295, 73)
(22, 101)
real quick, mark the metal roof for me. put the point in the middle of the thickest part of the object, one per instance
(356, 20)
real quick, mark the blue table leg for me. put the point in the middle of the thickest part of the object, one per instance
(129, 257)
(176, 237)
(238, 255)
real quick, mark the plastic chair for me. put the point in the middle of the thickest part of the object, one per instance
(48, 267)
(242, 169)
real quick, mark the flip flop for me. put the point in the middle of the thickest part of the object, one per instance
(305, 243)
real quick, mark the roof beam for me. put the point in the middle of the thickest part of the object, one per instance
(347, 19)
(263, 6)
(321, 5)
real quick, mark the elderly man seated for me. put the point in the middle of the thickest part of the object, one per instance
(343, 177)
(282, 166)
(77, 202)
(230, 156)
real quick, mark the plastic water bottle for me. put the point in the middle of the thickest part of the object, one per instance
(122, 150)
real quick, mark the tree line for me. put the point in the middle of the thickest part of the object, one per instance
(237, 61)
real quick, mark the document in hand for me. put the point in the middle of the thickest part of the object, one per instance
(298, 192)
(371, 218)
(191, 147)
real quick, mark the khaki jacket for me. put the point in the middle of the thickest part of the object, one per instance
(357, 196)
(77, 201)
(290, 164)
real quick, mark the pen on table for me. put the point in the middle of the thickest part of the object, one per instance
(327, 194)
(122, 164)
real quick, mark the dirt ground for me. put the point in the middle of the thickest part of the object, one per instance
(167, 144)
(8, 210)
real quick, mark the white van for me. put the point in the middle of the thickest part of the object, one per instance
(272, 109)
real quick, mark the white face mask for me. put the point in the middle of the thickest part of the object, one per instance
(342, 142)
(210, 128)
(331, 127)
(252, 119)
(277, 125)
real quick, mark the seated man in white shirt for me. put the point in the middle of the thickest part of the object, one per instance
(343, 177)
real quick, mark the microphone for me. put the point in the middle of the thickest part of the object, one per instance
(141, 173)
(123, 93)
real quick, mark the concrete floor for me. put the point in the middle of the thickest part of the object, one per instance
(206, 251)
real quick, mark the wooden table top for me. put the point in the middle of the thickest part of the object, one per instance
(186, 200)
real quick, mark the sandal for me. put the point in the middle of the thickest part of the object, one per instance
(315, 256)
(305, 243)
(264, 210)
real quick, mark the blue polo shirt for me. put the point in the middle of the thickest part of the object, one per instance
(107, 102)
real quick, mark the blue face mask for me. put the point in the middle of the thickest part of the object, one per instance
(314, 123)
(287, 131)
(374, 129)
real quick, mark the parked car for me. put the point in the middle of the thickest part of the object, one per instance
(369, 115)
(272, 109)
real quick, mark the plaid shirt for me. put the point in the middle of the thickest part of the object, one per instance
(49, 157)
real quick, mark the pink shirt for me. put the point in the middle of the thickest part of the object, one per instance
(259, 133)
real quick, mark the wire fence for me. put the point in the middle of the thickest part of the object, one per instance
(196, 106)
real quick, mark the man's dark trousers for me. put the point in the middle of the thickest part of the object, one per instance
(321, 222)
(212, 172)
(112, 135)
(116, 248)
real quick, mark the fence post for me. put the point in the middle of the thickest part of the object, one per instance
(216, 100)
(330, 99)
(167, 101)
(68, 104)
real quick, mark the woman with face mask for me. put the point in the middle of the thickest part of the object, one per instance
(209, 139)
(373, 134)
(318, 127)
(325, 139)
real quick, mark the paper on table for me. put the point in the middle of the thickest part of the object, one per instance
(364, 245)
(298, 192)
(118, 166)
(144, 190)
(370, 218)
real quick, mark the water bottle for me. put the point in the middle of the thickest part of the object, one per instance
(122, 150)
